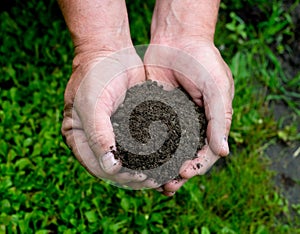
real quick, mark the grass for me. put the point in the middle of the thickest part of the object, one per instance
(43, 189)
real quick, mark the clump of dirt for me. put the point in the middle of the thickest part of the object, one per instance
(157, 130)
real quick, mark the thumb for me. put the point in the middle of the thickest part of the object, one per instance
(100, 93)
(98, 125)
(102, 143)
(97, 97)
(218, 110)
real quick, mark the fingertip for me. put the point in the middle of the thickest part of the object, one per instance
(224, 151)
(200, 165)
(127, 177)
(218, 110)
(184, 168)
(151, 184)
(174, 185)
(217, 141)
(189, 172)
(220, 146)
(168, 194)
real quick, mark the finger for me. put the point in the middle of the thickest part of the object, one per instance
(150, 183)
(146, 184)
(76, 139)
(110, 164)
(218, 110)
(102, 138)
(200, 165)
(111, 98)
(126, 177)
(174, 185)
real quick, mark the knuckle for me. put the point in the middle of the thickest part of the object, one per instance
(96, 139)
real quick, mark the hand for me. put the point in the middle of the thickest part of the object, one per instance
(96, 88)
(196, 65)
(104, 67)
(182, 53)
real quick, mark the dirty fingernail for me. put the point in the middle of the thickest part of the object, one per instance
(108, 161)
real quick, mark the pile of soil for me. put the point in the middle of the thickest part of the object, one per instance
(157, 130)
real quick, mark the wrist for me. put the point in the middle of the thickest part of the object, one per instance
(97, 25)
(174, 19)
(101, 44)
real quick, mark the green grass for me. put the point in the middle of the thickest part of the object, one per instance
(43, 189)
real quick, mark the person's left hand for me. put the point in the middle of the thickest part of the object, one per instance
(196, 65)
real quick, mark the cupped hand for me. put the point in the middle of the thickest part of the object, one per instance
(96, 88)
(196, 65)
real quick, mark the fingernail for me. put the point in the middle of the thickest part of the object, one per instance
(107, 161)
(225, 147)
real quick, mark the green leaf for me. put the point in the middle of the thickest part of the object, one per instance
(226, 230)
(91, 216)
(262, 230)
(205, 230)
(3, 148)
(5, 183)
(42, 232)
(23, 163)
(156, 217)
(5, 205)
(140, 219)
(27, 142)
(125, 203)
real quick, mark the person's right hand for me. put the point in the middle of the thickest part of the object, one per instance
(96, 88)
(104, 67)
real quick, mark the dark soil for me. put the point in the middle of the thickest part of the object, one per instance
(157, 130)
